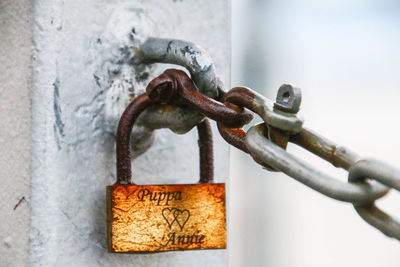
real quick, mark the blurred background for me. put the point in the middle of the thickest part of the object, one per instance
(345, 56)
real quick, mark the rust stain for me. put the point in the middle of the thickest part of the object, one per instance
(234, 136)
(150, 218)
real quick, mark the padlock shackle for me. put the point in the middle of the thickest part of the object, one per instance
(206, 155)
(128, 118)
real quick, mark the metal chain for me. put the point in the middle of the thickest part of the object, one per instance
(368, 179)
(178, 119)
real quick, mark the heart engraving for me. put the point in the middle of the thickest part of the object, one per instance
(172, 215)
(168, 215)
(182, 216)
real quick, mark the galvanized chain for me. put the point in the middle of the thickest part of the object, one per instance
(176, 118)
(368, 179)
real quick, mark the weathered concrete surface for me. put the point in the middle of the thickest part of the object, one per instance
(15, 114)
(82, 82)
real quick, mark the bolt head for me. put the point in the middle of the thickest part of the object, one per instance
(288, 99)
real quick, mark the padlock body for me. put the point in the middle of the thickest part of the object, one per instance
(150, 218)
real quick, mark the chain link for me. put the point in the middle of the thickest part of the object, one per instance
(178, 119)
(368, 179)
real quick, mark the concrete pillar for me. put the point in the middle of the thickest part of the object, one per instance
(82, 82)
(15, 123)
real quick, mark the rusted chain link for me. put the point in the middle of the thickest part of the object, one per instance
(369, 179)
(175, 87)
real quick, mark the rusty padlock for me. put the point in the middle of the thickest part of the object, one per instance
(151, 218)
